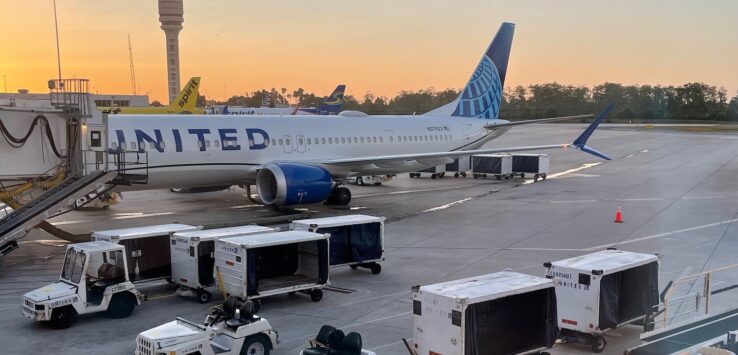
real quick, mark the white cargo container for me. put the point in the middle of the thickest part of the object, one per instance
(536, 164)
(600, 291)
(193, 256)
(434, 172)
(460, 166)
(499, 313)
(497, 165)
(356, 240)
(147, 248)
(270, 264)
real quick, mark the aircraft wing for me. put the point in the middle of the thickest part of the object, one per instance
(439, 157)
(493, 126)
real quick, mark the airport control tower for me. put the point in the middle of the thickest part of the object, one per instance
(171, 16)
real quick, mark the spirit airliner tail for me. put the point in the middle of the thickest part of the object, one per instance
(304, 159)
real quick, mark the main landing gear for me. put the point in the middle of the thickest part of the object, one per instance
(339, 196)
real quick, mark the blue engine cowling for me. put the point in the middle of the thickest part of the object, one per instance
(284, 184)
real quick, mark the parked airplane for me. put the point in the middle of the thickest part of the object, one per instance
(306, 159)
(185, 103)
(331, 105)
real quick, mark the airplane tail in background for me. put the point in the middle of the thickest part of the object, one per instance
(334, 102)
(482, 95)
(187, 98)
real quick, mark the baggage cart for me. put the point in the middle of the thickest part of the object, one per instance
(147, 249)
(497, 165)
(600, 291)
(499, 313)
(536, 164)
(434, 172)
(460, 166)
(261, 265)
(193, 257)
(356, 240)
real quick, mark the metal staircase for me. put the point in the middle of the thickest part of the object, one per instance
(57, 199)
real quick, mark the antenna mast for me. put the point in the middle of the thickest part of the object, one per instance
(133, 70)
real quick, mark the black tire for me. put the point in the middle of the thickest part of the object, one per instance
(316, 295)
(475, 176)
(498, 177)
(544, 176)
(376, 268)
(354, 267)
(522, 175)
(121, 305)
(62, 318)
(535, 178)
(463, 174)
(360, 181)
(343, 196)
(256, 345)
(441, 175)
(456, 175)
(411, 175)
(434, 176)
(598, 344)
(204, 296)
(484, 176)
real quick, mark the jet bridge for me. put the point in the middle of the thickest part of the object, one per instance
(60, 166)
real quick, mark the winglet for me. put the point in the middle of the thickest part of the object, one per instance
(581, 141)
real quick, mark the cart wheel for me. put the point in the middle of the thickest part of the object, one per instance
(441, 175)
(484, 176)
(433, 176)
(498, 177)
(376, 268)
(535, 177)
(353, 267)
(121, 305)
(316, 295)
(203, 296)
(256, 345)
(475, 176)
(544, 176)
(63, 317)
(456, 175)
(463, 174)
(360, 181)
(522, 175)
(598, 344)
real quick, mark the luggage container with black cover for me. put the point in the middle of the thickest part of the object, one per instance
(261, 265)
(460, 166)
(193, 257)
(536, 164)
(499, 313)
(435, 172)
(497, 165)
(147, 249)
(356, 240)
(600, 291)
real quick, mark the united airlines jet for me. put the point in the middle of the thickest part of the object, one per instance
(331, 105)
(305, 159)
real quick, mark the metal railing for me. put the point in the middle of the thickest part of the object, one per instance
(71, 95)
(124, 162)
(708, 286)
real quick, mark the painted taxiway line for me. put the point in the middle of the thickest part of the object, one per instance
(411, 191)
(631, 241)
(141, 215)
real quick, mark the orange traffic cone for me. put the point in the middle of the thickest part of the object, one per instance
(618, 216)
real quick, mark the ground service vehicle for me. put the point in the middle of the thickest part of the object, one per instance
(601, 291)
(193, 257)
(496, 314)
(229, 329)
(94, 278)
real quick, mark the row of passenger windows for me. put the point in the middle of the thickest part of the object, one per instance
(362, 140)
(303, 141)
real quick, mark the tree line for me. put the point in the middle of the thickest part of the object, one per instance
(641, 103)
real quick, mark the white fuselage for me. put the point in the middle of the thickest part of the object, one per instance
(197, 150)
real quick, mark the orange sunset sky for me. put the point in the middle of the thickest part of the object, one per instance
(378, 46)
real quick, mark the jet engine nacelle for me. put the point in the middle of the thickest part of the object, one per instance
(284, 184)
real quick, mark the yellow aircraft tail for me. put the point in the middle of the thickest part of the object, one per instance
(186, 101)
